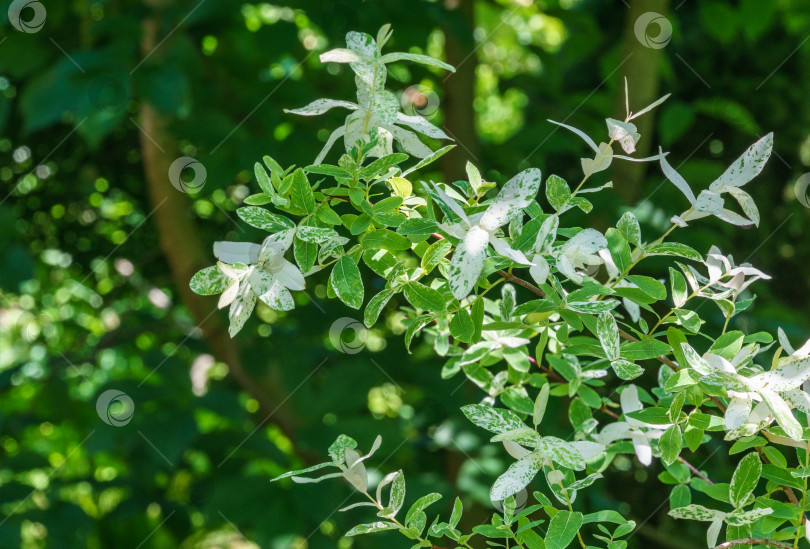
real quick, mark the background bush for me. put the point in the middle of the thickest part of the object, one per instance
(98, 247)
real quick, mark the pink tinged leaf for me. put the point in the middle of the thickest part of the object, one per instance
(512, 199)
(468, 262)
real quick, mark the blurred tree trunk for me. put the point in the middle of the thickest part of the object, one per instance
(459, 87)
(178, 239)
(643, 79)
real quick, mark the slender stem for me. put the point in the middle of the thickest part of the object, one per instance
(753, 541)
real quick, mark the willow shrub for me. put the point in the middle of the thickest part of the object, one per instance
(591, 327)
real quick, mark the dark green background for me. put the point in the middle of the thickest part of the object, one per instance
(77, 215)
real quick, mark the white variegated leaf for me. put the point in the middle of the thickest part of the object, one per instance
(696, 512)
(790, 373)
(320, 106)
(421, 125)
(781, 411)
(467, 262)
(517, 477)
(580, 133)
(676, 178)
(747, 166)
(512, 199)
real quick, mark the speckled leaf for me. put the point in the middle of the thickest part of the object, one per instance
(608, 333)
(517, 477)
(512, 199)
(209, 281)
(745, 479)
(747, 166)
(467, 262)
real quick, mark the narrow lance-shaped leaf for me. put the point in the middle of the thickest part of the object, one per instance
(745, 479)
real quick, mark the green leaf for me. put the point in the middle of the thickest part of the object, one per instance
(649, 286)
(263, 219)
(745, 479)
(629, 227)
(264, 180)
(680, 496)
(655, 415)
(678, 285)
(385, 239)
(462, 327)
(347, 282)
(424, 297)
(688, 319)
(419, 226)
(563, 529)
(675, 249)
(306, 253)
(670, 444)
(557, 192)
(423, 503)
(619, 249)
(645, 349)
(625, 369)
(375, 306)
(415, 327)
(301, 193)
(434, 254)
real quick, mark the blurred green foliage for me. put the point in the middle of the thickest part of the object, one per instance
(89, 303)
